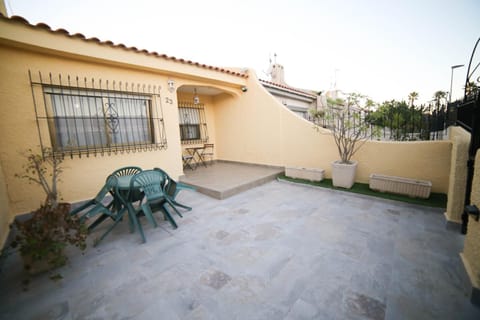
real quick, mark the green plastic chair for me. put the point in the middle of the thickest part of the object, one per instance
(129, 171)
(126, 171)
(172, 188)
(98, 205)
(151, 182)
(122, 206)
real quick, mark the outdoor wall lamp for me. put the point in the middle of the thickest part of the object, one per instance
(171, 85)
(469, 210)
(196, 98)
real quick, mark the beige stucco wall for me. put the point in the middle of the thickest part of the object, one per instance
(3, 8)
(458, 173)
(82, 177)
(4, 209)
(257, 128)
(426, 160)
(471, 250)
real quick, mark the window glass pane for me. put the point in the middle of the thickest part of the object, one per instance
(88, 120)
(189, 115)
(189, 131)
(70, 105)
(133, 124)
(193, 128)
(77, 133)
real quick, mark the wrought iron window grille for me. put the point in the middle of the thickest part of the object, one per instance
(76, 116)
(192, 121)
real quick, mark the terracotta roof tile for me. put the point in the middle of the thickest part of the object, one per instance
(63, 31)
(109, 43)
(21, 19)
(43, 26)
(79, 35)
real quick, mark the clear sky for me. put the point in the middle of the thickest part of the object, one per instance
(382, 48)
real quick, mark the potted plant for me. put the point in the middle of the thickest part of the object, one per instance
(43, 237)
(349, 131)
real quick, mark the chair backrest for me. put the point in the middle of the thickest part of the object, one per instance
(208, 147)
(110, 185)
(162, 172)
(151, 182)
(169, 186)
(126, 171)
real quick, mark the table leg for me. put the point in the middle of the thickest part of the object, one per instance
(133, 217)
(200, 157)
(195, 162)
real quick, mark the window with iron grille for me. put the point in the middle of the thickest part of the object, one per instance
(89, 120)
(97, 119)
(193, 127)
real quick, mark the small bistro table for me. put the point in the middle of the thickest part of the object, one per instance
(197, 155)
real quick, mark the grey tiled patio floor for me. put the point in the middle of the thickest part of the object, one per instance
(278, 251)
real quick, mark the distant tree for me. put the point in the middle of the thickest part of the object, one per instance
(437, 122)
(402, 122)
(440, 98)
(412, 97)
(344, 118)
(369, 104)
(471, 89)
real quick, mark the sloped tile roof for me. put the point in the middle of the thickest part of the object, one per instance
(281, 86)
(109, 43)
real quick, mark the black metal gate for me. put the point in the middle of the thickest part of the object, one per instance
(466, 113)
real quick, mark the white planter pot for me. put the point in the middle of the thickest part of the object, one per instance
(311, 174)
(343, 174)
(411, 187)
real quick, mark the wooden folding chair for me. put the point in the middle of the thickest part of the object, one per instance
(207, 152)
(188, 161)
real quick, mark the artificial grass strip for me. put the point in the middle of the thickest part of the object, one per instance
(437, 200)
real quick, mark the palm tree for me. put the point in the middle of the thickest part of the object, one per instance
(471, 88)
(438, 96)
(440, 101)
(412, 97)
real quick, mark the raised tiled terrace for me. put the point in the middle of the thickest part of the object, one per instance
(223, 179)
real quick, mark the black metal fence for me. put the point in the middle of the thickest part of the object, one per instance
(398, 122)
(427, 122)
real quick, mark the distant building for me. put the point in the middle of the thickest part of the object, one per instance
(297, 100)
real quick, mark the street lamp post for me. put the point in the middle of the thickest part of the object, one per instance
(451, 80)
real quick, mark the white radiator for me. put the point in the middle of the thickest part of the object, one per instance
(410, 187)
